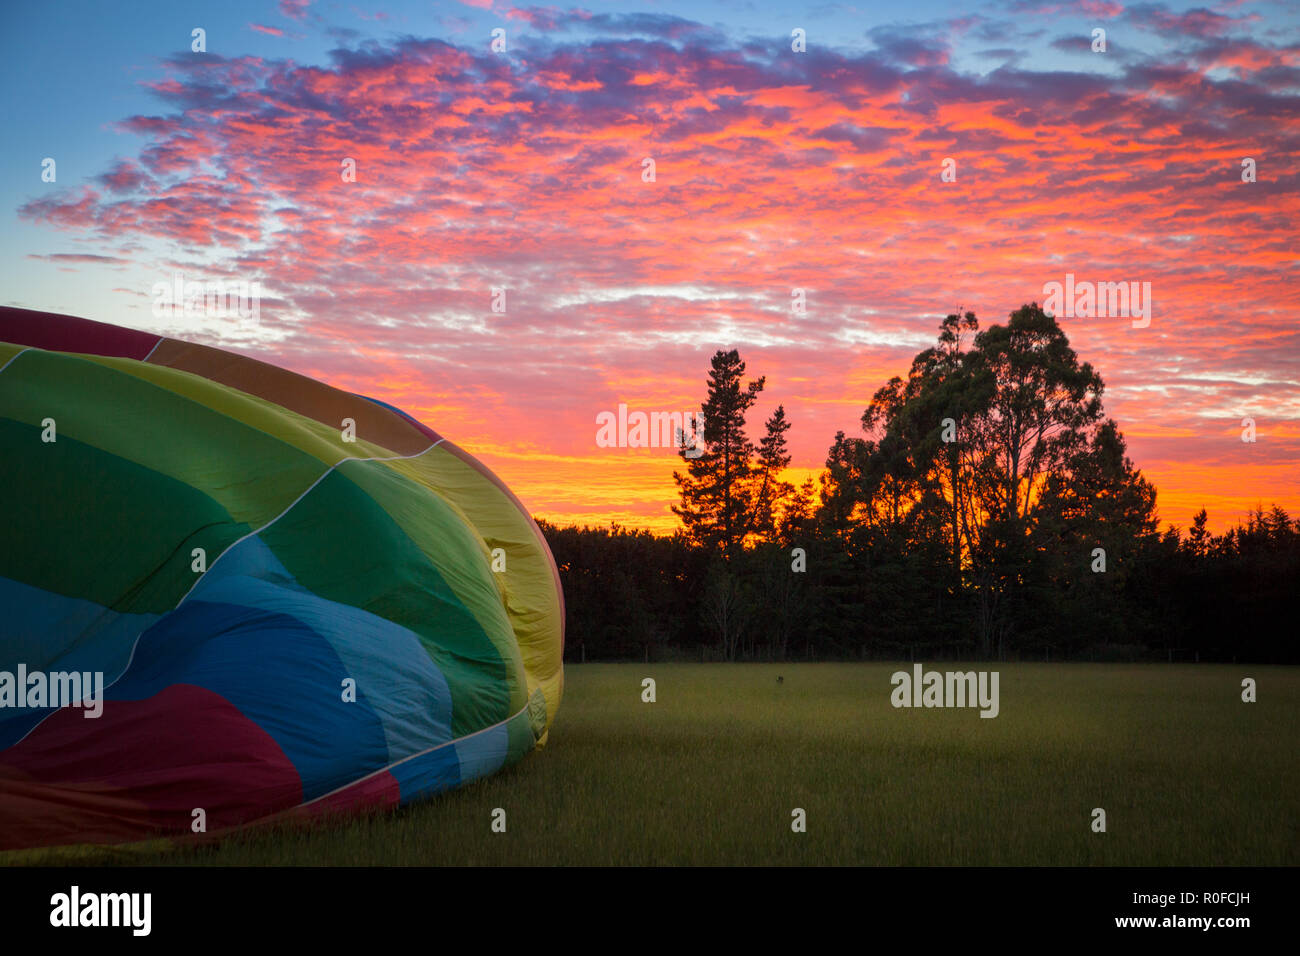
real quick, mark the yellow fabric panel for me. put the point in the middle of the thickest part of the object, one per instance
(302, 432)
(298, 393)
(529, 585)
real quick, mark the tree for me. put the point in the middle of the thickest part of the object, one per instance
(773, 495)
(976, 459)
(717, 490)
(1198, 536)
(1036, 404)
(974, 513)
(728, 606)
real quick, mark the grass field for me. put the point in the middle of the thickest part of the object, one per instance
(1187, 773)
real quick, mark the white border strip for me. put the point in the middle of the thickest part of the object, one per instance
(161, 339)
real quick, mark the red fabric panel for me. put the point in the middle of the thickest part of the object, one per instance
(64, 333)
(183, 748)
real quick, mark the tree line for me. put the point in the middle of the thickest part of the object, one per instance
(988, 510)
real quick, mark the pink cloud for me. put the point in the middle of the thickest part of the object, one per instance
(294, 9)
(773, 172)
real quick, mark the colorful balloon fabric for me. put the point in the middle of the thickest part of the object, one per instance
(297, 600)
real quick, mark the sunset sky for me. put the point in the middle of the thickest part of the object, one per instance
(774, 170)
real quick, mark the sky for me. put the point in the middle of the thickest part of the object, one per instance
(911, 160)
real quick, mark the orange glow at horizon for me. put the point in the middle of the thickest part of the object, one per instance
(639, 493)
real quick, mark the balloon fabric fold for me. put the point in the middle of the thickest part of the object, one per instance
(231, 594)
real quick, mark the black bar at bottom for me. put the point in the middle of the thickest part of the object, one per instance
(332, 905)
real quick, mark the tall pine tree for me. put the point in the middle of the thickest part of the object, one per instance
(772, 495)
(717, 491)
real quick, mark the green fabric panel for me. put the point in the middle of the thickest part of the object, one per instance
(85, 523)
(252, 475)
(321, 441)
(453, 546)
(341, 544)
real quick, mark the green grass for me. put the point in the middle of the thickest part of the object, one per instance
(709, 774)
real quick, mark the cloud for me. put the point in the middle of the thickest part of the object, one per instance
(125, 176)
(77, 257)
(294, 9)
(914, 46)
(773, 171)
(1200, 22)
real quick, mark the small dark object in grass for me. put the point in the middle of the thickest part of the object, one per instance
(780, 679)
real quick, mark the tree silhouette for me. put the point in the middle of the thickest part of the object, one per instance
(717, 491)
(988, 509)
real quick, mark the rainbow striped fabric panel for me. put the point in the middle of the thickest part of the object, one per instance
(230, 593)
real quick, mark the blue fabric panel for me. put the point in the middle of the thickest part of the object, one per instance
(390, 664)
(30, 618)
(428, 774)
(483, 753)
(278, 672)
